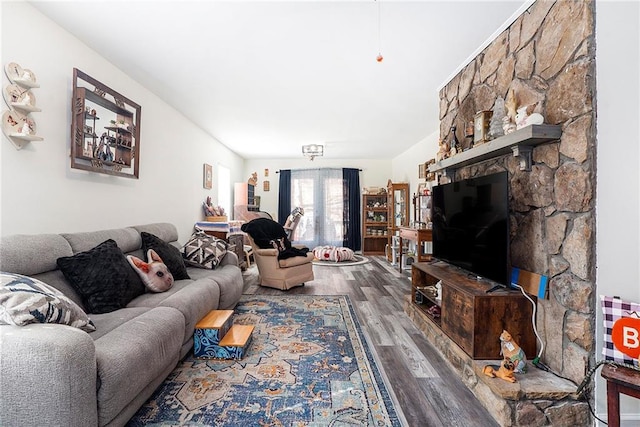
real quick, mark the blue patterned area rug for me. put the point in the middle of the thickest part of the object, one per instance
(308, 365)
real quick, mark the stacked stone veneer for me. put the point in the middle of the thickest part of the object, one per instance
(547, 56)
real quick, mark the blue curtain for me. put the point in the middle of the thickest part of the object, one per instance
(351, 215)
(284, 195)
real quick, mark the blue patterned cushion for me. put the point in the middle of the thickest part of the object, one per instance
(204, 251)
(25, 300)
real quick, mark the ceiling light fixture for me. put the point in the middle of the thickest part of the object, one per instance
(379, 58)
(312, 150)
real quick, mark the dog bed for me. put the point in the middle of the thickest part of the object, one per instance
(333, 253)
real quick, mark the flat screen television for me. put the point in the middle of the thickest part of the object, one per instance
(471, 225)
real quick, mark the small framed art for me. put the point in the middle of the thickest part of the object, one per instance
(207, 176)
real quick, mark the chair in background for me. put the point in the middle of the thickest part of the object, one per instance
(274, 272)
(292, 221)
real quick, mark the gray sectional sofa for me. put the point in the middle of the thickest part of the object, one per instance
(57, 375)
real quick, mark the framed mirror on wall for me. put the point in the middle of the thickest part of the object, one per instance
(105, 129)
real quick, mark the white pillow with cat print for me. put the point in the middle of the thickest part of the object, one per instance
(154, 274)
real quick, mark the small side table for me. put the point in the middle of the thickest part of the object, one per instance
(619, 380)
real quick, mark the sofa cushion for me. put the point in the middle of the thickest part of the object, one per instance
(25, 300)
(23, 254)
(194, 299)
(103, 277)
(127, 239)
(133, 355)
(204, 251)
(170, 255)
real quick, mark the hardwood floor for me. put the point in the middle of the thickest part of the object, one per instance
(427, 391)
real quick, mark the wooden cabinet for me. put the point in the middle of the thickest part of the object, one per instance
(468, 314)
(374, 224)
(397, 210)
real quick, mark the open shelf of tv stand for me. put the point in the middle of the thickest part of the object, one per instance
(469, 316)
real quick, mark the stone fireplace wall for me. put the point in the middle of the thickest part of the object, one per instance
(547, 56)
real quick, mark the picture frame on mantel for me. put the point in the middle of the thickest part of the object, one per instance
(207, 176)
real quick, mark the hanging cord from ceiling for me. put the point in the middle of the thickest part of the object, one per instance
(379, 58)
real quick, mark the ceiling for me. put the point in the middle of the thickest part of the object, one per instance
(266, 77)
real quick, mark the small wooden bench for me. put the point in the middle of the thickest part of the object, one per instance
(619, 380)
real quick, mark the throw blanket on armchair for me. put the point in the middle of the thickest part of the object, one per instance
(267, 233)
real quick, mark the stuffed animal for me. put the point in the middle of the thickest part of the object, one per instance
(504, 371)
(154, 274)
(510, 350)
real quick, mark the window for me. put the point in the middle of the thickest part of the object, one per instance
(320, 192)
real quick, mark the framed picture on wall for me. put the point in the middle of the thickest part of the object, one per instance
(207, 176)
(265, 186)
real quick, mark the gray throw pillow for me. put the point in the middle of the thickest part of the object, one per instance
(25, 300)
(204, 251)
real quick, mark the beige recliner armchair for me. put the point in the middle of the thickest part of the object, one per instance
(284, 273)
(277, 270)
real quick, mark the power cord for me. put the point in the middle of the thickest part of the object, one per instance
(587, 379)
(538, 364)
(536, 361)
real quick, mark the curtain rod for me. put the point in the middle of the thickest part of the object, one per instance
(317, 169)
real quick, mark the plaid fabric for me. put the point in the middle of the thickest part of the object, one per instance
(614, 309)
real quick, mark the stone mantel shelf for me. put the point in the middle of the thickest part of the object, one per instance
(520, 142)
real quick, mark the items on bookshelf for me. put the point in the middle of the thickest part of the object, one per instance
(114, 148)
(17, 124)
(374, 223)
(397, 211)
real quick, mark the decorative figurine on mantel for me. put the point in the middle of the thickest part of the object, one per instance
(509, 121)
(454, 143)
(527, 115)
(495, 125)
(443, 152)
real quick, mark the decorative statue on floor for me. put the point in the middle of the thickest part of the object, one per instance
(510, 350)
(504, 371)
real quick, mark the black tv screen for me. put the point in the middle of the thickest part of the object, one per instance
(471, 225)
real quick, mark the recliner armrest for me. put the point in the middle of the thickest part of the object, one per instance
(266, 252)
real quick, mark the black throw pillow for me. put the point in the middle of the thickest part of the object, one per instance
(102, 277)
(170, 255)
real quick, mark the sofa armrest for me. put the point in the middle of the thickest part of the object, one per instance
(229, 259)
(48, 376)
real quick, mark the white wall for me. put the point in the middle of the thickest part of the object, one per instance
(618, 161)
(41, 193)
(405, 165)
(374, 173)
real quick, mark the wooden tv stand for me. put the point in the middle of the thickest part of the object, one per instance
(471, 317)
